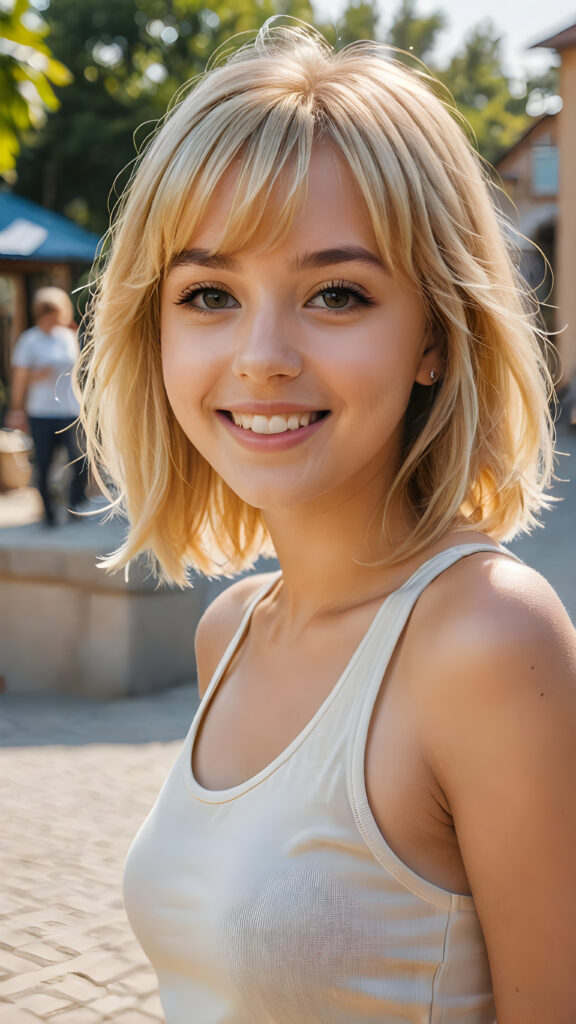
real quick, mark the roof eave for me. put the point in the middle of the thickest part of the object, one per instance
(559, 41)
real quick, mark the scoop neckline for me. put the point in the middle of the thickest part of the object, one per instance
(231, 793)
(219, 796)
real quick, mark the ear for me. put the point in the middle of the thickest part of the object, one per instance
(431, 363)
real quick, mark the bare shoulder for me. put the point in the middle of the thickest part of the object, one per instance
(220, 621)
(490, 645)
(494, 658)
(490, 611)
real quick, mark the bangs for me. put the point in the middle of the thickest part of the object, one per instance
(267, 150)
(266, 144)
(265, 201)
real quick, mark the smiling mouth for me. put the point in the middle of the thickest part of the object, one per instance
(277, 424)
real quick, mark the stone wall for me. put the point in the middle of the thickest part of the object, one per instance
(66, 626)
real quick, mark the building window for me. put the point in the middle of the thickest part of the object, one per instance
(545, 170)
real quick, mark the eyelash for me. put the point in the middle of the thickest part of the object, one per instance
(189, 294)
(361, 298)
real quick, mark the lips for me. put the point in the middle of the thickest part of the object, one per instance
(278, 423)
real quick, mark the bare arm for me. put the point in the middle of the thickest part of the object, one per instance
(22, 378)
(503, 748)
(16, 415)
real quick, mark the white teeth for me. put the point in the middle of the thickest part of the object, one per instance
(260, 425)
(273, 424)
(277, 424)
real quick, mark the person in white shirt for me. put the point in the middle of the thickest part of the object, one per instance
(42, 399)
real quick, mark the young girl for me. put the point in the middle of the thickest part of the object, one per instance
(309, 337)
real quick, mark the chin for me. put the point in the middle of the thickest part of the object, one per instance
(267, 500)
(272, 497)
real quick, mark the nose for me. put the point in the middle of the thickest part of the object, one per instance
(265, 349)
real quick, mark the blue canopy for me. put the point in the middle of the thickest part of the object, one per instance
(30, 232)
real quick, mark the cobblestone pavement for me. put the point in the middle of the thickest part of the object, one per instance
(76, 781)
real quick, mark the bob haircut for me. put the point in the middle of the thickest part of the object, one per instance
(477, 446)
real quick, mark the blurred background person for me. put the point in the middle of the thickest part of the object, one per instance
(42, 400)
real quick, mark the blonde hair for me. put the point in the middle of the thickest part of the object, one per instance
(478, 453)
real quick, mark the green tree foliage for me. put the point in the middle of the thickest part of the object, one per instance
(482, 92)
(129, 57)
(415, 35)
(27, 73)
(359, 20)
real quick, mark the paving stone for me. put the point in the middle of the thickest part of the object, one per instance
(140, 982)
(41, 951)
(108, 931)
(74, 940)
(79, 1015)
(12, 1014)
(111, 1004)
(42, 1004)
(17, 964)
(67, 953)
(37, 917)
(72, 986)
(106, 971)
(14, 939)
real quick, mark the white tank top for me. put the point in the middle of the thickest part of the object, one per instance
(278, 901)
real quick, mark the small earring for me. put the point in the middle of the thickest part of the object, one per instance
(433, 376)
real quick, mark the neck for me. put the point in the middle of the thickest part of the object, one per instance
(328, 556)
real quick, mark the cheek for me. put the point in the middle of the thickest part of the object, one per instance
(185, 368)
(385, 369)
(188, 381)
(385, 381)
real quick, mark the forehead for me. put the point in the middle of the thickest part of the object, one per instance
(327, 209)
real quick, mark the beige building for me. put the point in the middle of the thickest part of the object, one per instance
(564, 43)
(529, 175)
(538, 173)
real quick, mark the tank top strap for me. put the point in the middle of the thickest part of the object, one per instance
(394, 613)
(393, 616)
(236, 640)
(436, 565)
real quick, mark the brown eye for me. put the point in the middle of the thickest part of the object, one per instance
(340, 297)
(214, 299)
(336, 298)
(205, 299)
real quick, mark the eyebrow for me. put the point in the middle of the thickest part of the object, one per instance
(204, 258)
(309, 261)
(342, 254)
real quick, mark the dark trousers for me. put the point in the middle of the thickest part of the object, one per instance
(48, 434)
